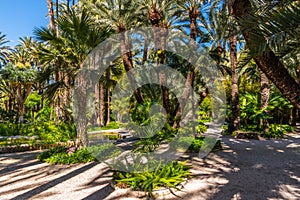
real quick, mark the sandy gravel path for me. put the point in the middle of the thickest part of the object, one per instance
(244, 169)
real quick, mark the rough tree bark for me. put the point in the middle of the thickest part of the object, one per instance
(81, 100)
(155, 17)
(235, 104)
(265, 95)
(193, 15)
(51, 14)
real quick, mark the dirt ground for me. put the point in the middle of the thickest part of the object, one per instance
(244, 169)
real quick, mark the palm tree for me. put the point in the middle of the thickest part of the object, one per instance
(20, 74)
(119, 16)
(256, 31)
(65, 53)
(189, 17)
(4, 50)
(160, 14)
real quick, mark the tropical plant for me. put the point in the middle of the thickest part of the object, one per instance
(20, 78)
(120, 16)
(60, 155)
(265, 30)
(4, 50)
(64, 54)
(169, 176)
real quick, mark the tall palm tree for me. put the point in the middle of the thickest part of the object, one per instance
(189, 17)
(256, 31)
(160, 16)
(65, 53)
(119, 16)
(20, 74)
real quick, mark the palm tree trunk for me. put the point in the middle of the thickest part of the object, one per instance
(295, 116)
(101, 104)
(265, 94)
(107, 107)
(163, 77)
(128, 64)
(81, 100)
(145, 53)
(160, 44)
(57, 13)
(56, 6)
(51, 14)
(193, 15)
(22, 94)
(235, 105)
(269, 63)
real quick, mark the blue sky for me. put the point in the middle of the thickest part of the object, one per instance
(18, 18)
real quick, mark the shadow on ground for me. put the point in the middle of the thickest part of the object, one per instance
(248, 169)
(244, 169)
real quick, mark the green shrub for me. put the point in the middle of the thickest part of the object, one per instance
(53, 132)
(112, 137)
(201, 128)
(170, 176)
(149, 144)
(196, 143)
(47, 154)
(104, 151)
(9, 129)
(59, 155)
(49, 131)
(111, 125)
(277, 131)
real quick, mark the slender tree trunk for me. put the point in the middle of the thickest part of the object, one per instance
(101, 104)
(107, 107)
(193, 15)
(56, 6)
(51, 14)
(57, 14)
(235, 104)
(145, 53)
(21, 98)
(162, 75)
(155, 17)
(269, 63)
(265, 95)
(81, 120)
(295, 116)
(128, 64)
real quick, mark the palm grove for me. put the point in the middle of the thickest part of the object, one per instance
(256, 51)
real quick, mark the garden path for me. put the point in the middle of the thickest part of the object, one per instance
(244, 169)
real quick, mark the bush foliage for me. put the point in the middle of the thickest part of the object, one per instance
(59, 155)
(169, 176)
